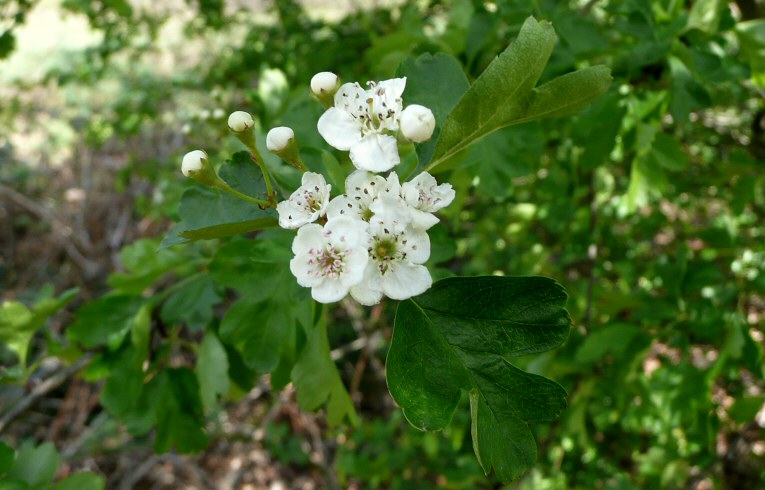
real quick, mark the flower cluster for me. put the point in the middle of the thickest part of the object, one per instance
(373, 241)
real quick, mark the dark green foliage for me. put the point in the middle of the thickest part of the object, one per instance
(647, 206)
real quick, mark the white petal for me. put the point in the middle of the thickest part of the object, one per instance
(329, 291)
(443, 196)
(356, 261)
(369, 291)
(362, 186)
(312, 179)
(304, 272)
(417, 246)
(403, 280)
(392, 184)
(339, 129)
(291, 216)
(390, 213)
(394, 87)
(374, 152)
(422, 220)
(308, 237)
(342, 206)
(352, 98)
(347, 232)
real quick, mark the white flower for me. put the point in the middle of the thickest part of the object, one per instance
(324, 82)
(367, 194)
(193, 161)
(306, 204)
(417, 123)
(360, 121)
(425, 196)
(279, 138)
(332, 259)
(240, 121)
(395, 264)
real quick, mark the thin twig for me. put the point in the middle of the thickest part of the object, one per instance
(324, 458)
(135, 475)
(42, 389)
(373, 341)
(592, 253)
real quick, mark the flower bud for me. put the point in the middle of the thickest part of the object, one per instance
(240, 121)
(323, 87)
(278, 138)
(281, 141)
(193, 162)
(196, 165)
(417, 123)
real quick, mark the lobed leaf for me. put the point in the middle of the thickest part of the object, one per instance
(504, 94)
(459, 336)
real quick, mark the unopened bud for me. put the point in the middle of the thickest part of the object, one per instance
(323, 87)
(196, 165)
(240, 121)
(417, 123)
(279, 138)
(281, 141)
(193, 162)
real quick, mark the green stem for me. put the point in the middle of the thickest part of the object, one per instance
(258, 159)
(159, 297)
(248, 139)
(263, 204)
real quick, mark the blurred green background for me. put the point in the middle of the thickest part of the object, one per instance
(648, 207)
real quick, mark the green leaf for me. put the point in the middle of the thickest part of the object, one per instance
(212, 370)
(688, 94)
(178, 409)
(498, 91)
(35, 465)
(16, 328)
(210, 213)
(459, 336)
(596, 128)
(613, 339)
(505, 155)
(81, 481)
(191, 304)
(668, 153)
(14, 484)
(751, 36)
(333, 171)
(317, 381)
(144, 265)
(7, 44)
(7, 455)
(436, 82)
(262, 323)
(565, 95)
(705, 15)
(18, 324)
(260, 329)
(105, 321)
(504, 94)
(124, 384)
(745, 409)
